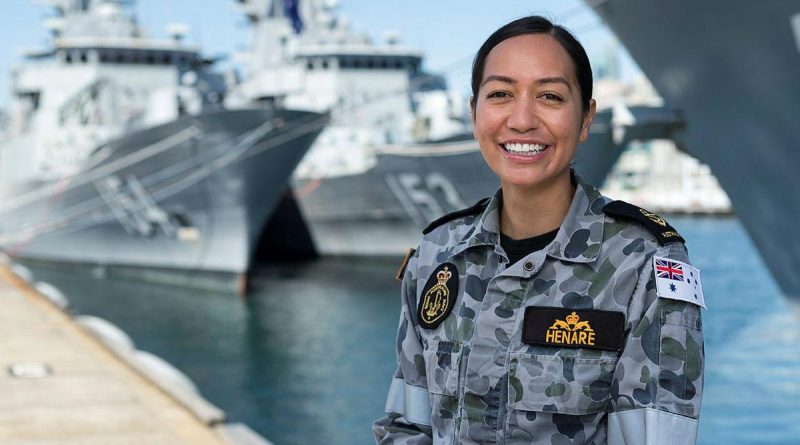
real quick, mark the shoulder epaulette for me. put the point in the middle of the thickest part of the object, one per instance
(402, 270)
(477, 208)
(654, 224)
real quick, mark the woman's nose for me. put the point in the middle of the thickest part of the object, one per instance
(523, 116)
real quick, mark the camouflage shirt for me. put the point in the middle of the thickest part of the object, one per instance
(486, 373)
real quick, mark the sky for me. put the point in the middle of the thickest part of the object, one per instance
(447, 31)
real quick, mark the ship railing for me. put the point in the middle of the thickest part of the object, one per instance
(251, 144)
(114, 166)
(85, 212)
(429, 149)
(102, 103)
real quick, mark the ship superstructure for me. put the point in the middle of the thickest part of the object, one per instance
(394, 154)
(304, 55)
(120, 152)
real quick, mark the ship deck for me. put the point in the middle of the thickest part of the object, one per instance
(70, 388)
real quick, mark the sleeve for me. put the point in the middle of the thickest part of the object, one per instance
(658, 382)
(408, 408)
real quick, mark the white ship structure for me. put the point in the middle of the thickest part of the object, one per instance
(119, 151)
(655, 174)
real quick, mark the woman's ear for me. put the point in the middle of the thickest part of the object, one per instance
(472, 109)
(588, 117)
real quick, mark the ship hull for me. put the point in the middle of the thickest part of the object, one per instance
(739, 89)
(381, 212)
(190, 195)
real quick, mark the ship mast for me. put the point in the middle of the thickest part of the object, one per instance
(78, 19)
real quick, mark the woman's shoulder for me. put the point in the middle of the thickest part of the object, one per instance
(453, 229)
(468, 212)
(647, 223)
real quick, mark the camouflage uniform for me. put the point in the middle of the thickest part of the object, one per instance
(472, 379)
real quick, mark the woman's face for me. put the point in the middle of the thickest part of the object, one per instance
(528, 117)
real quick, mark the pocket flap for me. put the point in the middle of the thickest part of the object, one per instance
(442, 360)
(567, 385)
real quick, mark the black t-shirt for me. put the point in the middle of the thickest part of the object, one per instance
(516, 249)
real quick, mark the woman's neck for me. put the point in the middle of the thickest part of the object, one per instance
(529, 212)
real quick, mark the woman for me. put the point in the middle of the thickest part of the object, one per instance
(547, 314)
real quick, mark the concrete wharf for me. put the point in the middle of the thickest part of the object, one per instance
(60, 384)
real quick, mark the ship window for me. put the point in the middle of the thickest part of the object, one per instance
(325, 64)
(68, 58)
(103, 57)
(84, 58)
(151, 59)
(310, 65)
(120, 57)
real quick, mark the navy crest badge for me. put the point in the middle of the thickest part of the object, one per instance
(438, 296)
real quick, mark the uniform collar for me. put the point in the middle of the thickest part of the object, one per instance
(581, 234)
(486, 228)
(578, 240)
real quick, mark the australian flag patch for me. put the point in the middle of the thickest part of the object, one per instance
(678, 281)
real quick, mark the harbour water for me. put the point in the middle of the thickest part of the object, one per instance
(308, 356)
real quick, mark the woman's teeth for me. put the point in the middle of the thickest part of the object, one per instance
(525, 148)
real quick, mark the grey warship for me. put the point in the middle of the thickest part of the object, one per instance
(733, 71)
(120, 151)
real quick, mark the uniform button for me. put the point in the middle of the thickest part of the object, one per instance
(528, 266)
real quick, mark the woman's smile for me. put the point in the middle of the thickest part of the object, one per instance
(524, 151)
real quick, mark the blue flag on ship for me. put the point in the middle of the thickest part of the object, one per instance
(290, 8)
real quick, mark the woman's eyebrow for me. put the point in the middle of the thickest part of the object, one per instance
(557, 79)
(499, 78)
(544, 80)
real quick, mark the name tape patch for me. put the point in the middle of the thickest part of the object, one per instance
(678, 281)
(569, 328)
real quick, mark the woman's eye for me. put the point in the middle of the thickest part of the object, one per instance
(551, 97)
(497, 95)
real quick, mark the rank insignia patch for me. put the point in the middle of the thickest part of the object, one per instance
(655, 224)
(438, 296)
(568, 328)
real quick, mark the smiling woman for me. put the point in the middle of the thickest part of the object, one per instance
(548, 313)
(528, 118)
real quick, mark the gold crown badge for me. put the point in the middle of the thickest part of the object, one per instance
(573, 318)
(443, 276)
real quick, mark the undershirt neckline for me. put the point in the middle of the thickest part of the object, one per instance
(518, 249)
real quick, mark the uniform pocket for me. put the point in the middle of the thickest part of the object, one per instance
(681, 360)
(442, 360)
(565, 385)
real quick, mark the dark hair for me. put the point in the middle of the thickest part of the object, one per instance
(537, 25)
